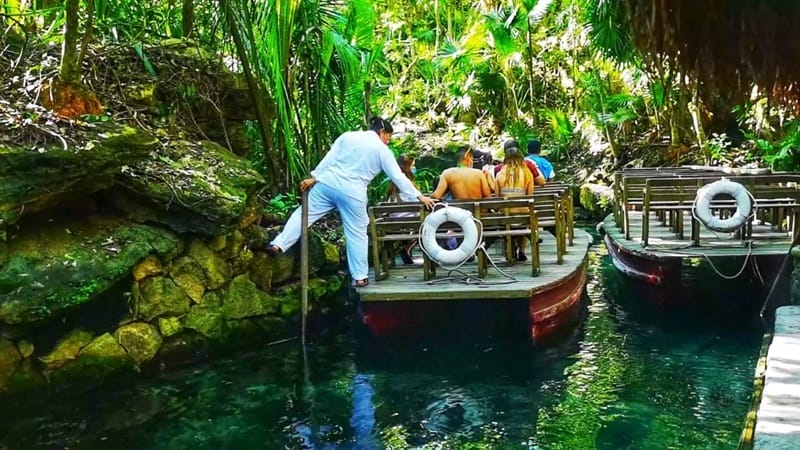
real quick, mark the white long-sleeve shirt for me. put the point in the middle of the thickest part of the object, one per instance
(355, 158)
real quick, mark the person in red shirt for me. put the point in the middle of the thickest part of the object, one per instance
(538, 179)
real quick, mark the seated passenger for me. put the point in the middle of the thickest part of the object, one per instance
(538, 179)
(516, 180)
(463, 182)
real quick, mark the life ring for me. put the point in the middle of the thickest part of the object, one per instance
(702, 205)
(431, 247)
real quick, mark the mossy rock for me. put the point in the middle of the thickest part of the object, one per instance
(67, 349)
(140, 340)
(196, 187)
(243, 299)
(26, 348)
(26, 378)
(169, 326)
(188, 274)
(36, 178)
(56, 266)
(206, 320)
(159, 296)
(188, 346)
(268, 270)
(9, 360)
(149, 267)
(102, 359)
(216, 269)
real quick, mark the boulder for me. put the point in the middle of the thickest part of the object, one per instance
(206, 320)
(140, 340)
(216, 269)
(66, 349)
(147, 268)
(268, 270)
(159, 296)
(191, 187)
(9, 359)
(102, 359)
(35, 178)
(169, 326)
(188, 274)
(26, 348)
(26, 378)
(55, 266)
(243, 299)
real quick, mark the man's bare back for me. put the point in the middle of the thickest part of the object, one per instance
(463, 183)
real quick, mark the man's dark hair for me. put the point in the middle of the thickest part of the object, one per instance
(534, 147)
(377, 124)
(463, 152)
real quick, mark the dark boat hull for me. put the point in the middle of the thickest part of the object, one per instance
(657, 272)
(547, 311)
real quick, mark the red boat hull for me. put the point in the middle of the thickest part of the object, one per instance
(657, 272)
(548, 310)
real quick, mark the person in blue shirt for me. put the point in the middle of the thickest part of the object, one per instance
(534, 154)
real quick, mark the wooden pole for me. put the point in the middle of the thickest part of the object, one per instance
(304, 263)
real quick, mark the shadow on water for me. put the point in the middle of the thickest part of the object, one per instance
(631, 376)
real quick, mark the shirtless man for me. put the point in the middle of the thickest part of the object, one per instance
(463, 182)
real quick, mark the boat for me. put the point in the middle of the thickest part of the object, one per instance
(490, 293)
(665, 220)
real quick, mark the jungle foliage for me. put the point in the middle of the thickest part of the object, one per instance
(577, 74)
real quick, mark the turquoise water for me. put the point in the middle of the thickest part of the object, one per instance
(629, 377)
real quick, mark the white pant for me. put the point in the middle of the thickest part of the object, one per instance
(321, 200)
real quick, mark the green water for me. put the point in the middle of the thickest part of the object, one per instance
(629, 377)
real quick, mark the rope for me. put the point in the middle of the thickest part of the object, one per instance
(732, 277)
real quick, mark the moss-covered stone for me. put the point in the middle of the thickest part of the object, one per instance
(66, 349)
(149, 267)
(217, 243)
(234, 245)
(267, 270)
(212, 298)
(169, 326)
(140, 340)
(56, 266)
(191, 187)
(291, 305)
(102, 359)
(159, 296)
(26, 378)
(188, 274)
(244, 299)
(9, 359)
(206, 320)
(216, 269)
(35, 178)
(26, 348)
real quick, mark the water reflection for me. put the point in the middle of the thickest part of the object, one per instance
(631, 376)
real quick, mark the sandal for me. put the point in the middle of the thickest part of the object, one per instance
(361, 283)
(274, 250)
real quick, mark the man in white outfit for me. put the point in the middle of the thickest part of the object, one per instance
(340, 181)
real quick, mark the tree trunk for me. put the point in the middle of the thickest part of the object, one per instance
(87, 35)
(187, 19)
(69, 71)
(531, 97)
(256, 90)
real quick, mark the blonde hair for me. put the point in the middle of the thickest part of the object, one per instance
(517, 173)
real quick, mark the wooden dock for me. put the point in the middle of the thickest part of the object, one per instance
(664, 243)
(405, 283)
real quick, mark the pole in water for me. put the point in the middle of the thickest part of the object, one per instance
(304, 263)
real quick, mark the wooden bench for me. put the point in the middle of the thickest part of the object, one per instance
(774, 195)
(392, 222)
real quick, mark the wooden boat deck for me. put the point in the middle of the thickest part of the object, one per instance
(406, 282)
(663, 243)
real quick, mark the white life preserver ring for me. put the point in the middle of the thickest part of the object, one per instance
(429, 244)
(702, 205)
